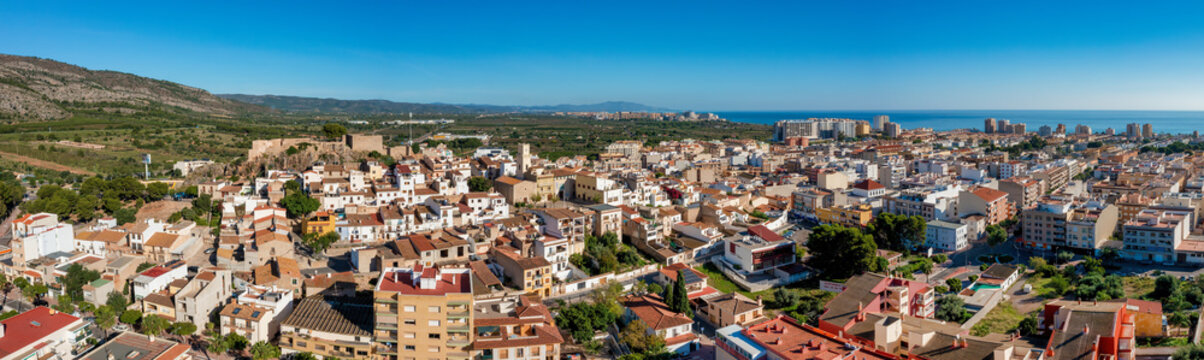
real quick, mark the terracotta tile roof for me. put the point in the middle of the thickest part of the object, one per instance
(508, 180)
(653, 312)
(765, 234)
(164, 240)
(989, 194)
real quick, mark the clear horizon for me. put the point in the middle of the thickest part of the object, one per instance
(744, 57)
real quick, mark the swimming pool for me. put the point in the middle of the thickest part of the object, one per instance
(980, 286)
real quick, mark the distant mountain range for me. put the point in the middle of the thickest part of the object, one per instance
(33, 89)
(327, 105)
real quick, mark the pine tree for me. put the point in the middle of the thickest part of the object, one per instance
(681, 299)
(669, 293)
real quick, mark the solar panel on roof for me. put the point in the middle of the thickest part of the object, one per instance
(690, 277)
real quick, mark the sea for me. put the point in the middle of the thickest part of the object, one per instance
(1173, 122)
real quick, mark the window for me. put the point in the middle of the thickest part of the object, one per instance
(409, 347)
(410, 335)
(411, 322)
(433, 349)
(410, 308)
(433, 309)
(432, 323)
(433, 336)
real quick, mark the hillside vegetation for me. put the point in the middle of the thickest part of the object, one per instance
(40, 89)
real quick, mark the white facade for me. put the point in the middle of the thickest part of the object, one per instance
(41, 234)
(157, 278)
(946, 236)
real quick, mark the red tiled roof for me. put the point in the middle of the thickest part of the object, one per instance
(989, 194)
(868, 185)
(653, 312)
(31, 326)
(403, 283)
(765, 234)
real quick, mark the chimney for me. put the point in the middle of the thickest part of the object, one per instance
(1086, 330)
(758, 300)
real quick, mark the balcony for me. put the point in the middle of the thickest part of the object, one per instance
(386, 349)
(457, 340)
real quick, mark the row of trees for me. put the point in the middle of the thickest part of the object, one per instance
(676, 296)
(583, 319)
(97, 194)
(1094, 284)
(840, 252)
(11, 193)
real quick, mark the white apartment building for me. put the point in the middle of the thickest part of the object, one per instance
(1154, 234)
(157, 278)
(946, 236)
(38, 235)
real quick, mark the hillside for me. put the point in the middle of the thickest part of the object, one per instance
(298, 104)
(40, 89)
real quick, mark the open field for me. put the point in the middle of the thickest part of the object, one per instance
(170, 137)
(44, 164)
(1001, 320)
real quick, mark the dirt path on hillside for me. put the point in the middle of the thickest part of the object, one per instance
(44, 164)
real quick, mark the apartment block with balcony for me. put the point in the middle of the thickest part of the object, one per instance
(852, 216)
(1061, 223)
(257, 313)
(1154, 234)
(521, 328)
(565, 224)
(423, 313)
(873, 293)
(937, 203)
(606, 219)
(531, 274)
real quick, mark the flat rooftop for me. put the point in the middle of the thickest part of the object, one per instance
(436, 282)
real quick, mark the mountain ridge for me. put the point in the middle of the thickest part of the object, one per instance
(45, 89)
(289, 103)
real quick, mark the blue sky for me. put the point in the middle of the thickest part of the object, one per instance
(722, 55)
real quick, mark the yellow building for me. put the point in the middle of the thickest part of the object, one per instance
(853, 216)
(862, 128)
(322, 222)
(423, 313)
(530, 274)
